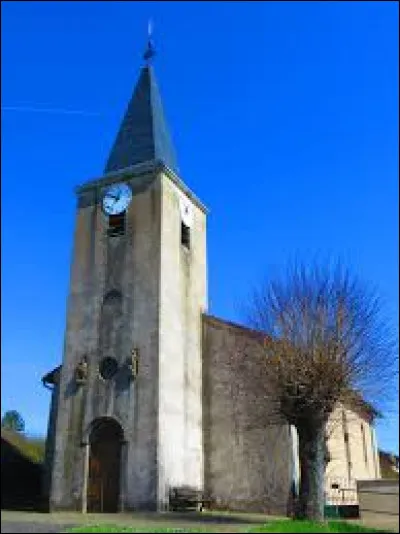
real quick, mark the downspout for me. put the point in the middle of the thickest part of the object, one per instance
(46, 480)
(375, 453)
(295, 461)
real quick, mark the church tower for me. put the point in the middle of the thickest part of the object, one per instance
(126, 417)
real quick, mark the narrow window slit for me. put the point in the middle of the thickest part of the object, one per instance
(185, 235)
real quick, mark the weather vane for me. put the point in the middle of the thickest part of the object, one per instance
(150, 50)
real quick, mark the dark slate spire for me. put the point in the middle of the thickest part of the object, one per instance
(143, 135)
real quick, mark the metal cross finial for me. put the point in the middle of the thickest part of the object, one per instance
(150, 50)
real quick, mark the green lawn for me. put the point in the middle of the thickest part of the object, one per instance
(311, 526)
(116, 528)
(273, 526)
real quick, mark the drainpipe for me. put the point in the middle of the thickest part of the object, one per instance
(295, 460)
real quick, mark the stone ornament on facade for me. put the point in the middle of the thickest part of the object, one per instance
(133, 363)
(81, 372)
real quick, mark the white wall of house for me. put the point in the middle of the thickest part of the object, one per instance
(354, 455)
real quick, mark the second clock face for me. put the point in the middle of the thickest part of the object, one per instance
(116, 199)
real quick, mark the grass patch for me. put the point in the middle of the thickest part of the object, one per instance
(285, 525)
(120, 528)
(311, 526)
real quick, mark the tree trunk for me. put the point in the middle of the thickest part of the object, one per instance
(311, 498)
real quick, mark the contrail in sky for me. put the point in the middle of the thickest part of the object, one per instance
(49, 110)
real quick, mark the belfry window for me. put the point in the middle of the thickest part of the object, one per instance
(116, 224)
(185, 235)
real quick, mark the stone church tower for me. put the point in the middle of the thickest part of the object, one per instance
(153, 392)
(126, 413)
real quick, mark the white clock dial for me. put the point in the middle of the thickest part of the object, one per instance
(116, 199)
(186, 212)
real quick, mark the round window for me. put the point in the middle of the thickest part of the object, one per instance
(108, 367)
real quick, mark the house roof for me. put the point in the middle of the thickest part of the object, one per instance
(389, 465)
(355, 401)
(30, 449)
(238, 328)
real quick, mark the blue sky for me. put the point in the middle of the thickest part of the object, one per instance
(285, 120)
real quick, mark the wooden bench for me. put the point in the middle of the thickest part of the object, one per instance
(186, 498)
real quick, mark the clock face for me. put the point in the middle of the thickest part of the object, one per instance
(186, 212)
(116, 199)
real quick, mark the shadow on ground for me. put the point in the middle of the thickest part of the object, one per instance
(201, 517)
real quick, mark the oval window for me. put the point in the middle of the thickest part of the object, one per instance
(108, 367)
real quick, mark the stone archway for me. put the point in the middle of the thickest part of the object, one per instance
(103, 486)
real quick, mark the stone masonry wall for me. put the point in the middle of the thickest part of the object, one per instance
(247, 455)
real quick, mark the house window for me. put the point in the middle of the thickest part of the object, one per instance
(347, 444)
(364, 444)
(116, 224)
(185, 235)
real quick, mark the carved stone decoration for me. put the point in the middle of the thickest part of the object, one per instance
(133, 363)
(81, 372)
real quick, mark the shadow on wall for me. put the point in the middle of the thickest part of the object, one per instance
(21, 478)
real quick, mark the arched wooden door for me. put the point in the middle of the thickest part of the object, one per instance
(104, 466)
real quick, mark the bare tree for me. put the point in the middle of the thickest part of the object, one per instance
(324, 344)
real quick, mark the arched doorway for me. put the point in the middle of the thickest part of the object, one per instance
(104, 466)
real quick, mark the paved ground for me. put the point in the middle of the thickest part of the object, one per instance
(16, 527)
(390, 523)
(31, 522)
(19, 522)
